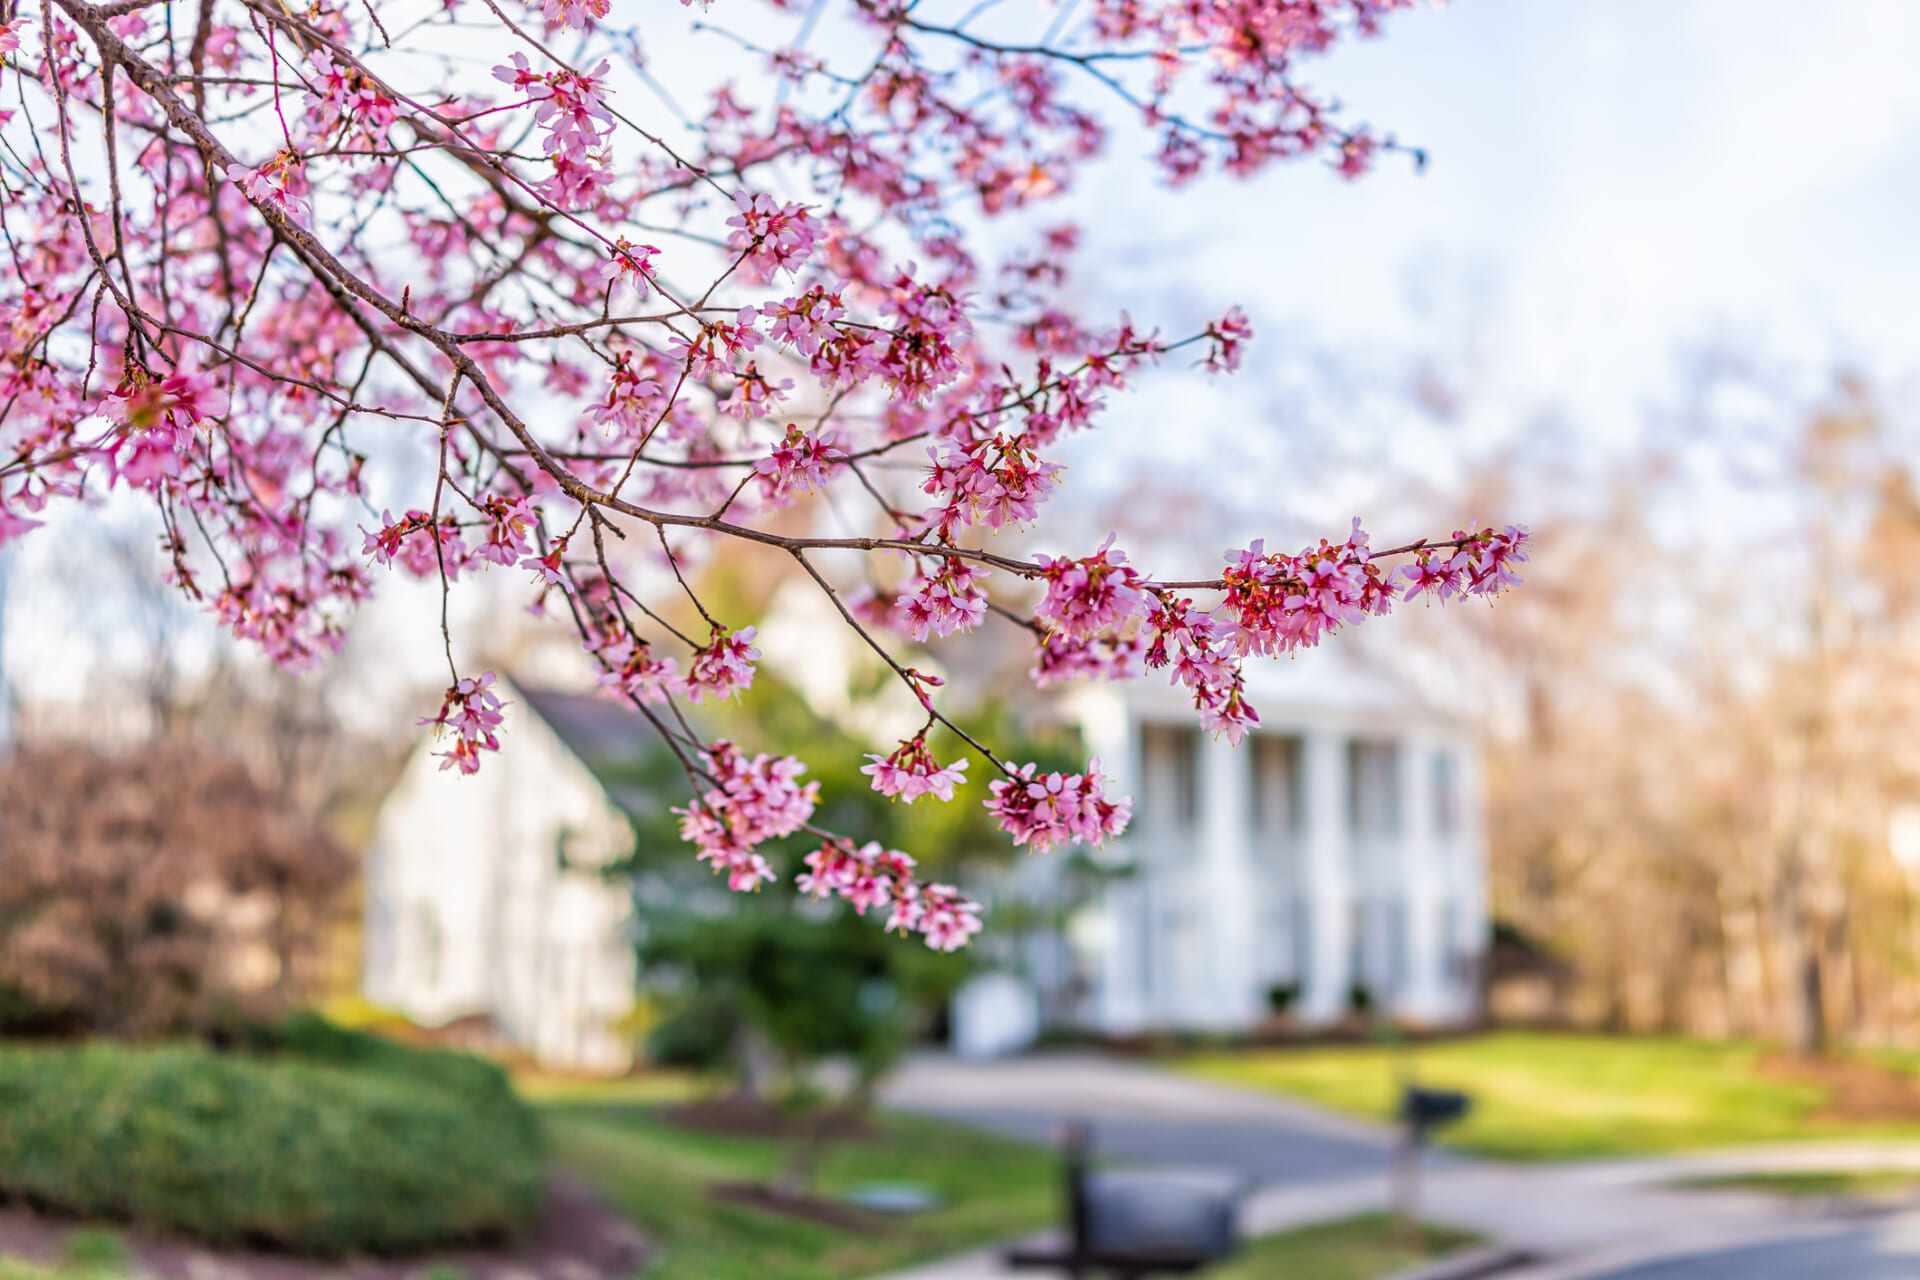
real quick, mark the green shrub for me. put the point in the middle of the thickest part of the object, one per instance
(335, 1144)
(481, 1087)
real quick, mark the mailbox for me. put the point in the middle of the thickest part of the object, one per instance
(1168, 1215)
(1423, 1110)
(1133, 1224)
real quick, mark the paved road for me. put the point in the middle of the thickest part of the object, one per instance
(1143, 1115)
(1889, 1250)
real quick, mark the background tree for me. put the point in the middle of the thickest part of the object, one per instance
(156, 891)
(767, 986)
(1713, 739)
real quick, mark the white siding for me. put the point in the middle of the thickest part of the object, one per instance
(470, 910)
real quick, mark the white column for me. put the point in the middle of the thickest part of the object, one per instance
(1119, 957)
(1470, 861)
(1121, 983)
(1421, 888)
(1325, 877)
(1228, 908)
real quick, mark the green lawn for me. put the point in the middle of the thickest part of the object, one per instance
(1551, 1096)
(1363, 1248)
(660, 1175)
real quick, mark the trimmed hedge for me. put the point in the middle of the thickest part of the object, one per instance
(331, 1143)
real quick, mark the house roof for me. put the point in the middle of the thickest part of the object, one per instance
(612, 740)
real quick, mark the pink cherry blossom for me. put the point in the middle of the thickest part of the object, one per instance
(949, 602)
(751, 800)
(723, 667)
(802, 460)
(911, 772)
(1048, 811)
(1094, 594)
(471, 711)
(600, 331)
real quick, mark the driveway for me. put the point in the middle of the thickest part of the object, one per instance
(1889, 1250)
(1143, 1115)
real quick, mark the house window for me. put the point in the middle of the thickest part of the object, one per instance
(1373, 788)
(1169, 758)
(1276, 790)
(1446, 794)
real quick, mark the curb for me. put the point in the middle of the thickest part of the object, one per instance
(1473, 1264)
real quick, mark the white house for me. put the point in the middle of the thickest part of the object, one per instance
(484, 896)
(1337, 851)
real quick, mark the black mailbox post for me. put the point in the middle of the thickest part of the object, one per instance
(1130, 1225)
(1421, 1112)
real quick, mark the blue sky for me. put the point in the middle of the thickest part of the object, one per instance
(1613, 184)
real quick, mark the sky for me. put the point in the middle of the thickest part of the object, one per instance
(1613, 185)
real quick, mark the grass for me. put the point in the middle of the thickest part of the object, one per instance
(660, 1175)
(91, 1253)
(1553, 1096)
(1865, 1183)
(1363, 1248)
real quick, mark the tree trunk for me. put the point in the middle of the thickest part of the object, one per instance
(1811, 1030)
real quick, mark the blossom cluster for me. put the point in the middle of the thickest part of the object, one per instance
(752, 800)
(402, 256)
(910, 772)
(1481, 564)
(870, 876)
(1045, 811)
(803, 460)
(723, 667)
(947, 603)
(471, 712)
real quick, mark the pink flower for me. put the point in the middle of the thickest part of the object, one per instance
(634, 673)
(1098, 593)
(752, 800)
(277, 184)
(519, 73)
(946, 919)
(417, 544)
(949, 602)
(1225, 337)
(754, 395)
(509, 520)
(575, 13)
(801, 460)
(723, 667)
(911, 772)
(770, 237)
(806, 322)
(629, 263)
(471, 711)
(1062, 657)
(13, 524)
(1046, 811)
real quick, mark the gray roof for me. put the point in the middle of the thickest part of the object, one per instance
(612, 739)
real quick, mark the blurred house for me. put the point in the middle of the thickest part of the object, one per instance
(1333, 862)
(484, 894)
